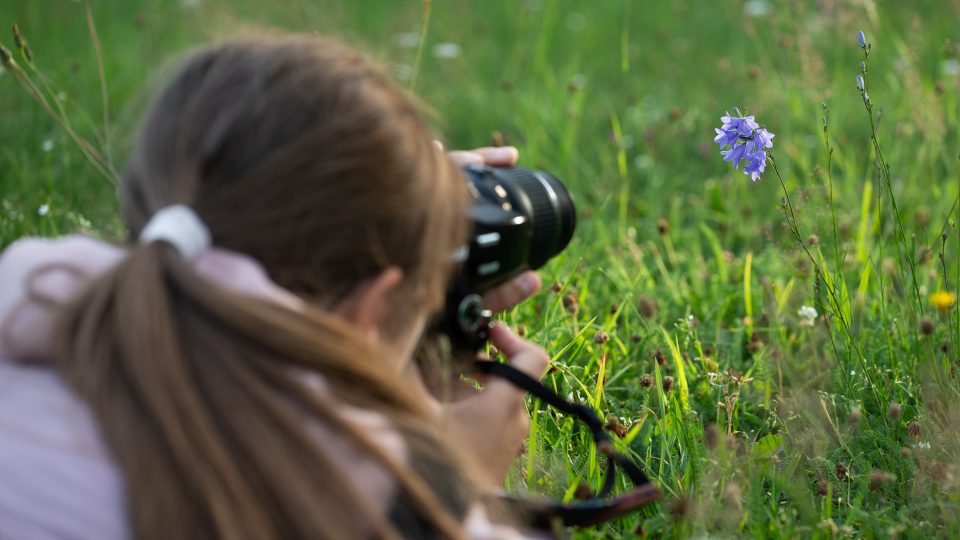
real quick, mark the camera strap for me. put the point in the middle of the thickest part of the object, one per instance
(598, 509)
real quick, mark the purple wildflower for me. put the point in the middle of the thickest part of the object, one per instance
(861, 39)
(742, 140)
(859, 82)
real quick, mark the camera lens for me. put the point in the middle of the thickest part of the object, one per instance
(547, 204)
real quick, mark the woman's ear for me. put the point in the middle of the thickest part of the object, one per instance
(367, 303)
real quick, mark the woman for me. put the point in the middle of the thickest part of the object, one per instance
(241, 368)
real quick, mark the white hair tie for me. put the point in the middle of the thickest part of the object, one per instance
(180, 226)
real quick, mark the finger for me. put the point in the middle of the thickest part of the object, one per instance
(511, 293)
(463, 157)
(521, 354)
(498, 156)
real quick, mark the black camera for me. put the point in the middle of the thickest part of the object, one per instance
(521, 218)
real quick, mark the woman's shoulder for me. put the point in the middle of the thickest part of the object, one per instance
(37, 270)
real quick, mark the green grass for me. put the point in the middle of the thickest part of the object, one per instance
(619, 98)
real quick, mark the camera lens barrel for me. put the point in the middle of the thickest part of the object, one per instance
(549, 207)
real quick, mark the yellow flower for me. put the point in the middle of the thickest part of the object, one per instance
(943, 300)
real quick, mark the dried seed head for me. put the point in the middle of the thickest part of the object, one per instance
(556, 287)
(661, 359)
(614, 308)
(570, 303)
(646, 381)
(913, 428)
(732, 494)
(879, 478)
(5, 57)
(601, 337)
(926, 326)
(854, 415)
(711, 435)
(894, 411)
(583, 492)
(937, 471)
(841, 471)
(636, 338)
(663, 226)
(823, 487)
(813, 239)
(616, 427)
(667, 383)
(647, 307)
(678, 508)
(21, 43)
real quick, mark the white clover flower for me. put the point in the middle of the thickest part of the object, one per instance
(808, 315)
(446, 51)
(43, 210)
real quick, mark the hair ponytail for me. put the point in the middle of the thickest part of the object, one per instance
(199, 392)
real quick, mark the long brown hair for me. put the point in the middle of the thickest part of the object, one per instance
(303, 155)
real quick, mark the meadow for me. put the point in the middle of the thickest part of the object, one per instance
(781, 356)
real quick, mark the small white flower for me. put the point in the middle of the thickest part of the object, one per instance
(407, 40)
(808, 315)
(446, 51)
(756, 8)
(852, 373)
(47, 145)
(950, 67)
(923, 445)
(643, 161)
(43, 210)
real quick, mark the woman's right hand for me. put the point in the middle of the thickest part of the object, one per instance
(490, 425)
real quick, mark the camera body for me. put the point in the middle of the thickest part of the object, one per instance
(521, 219)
